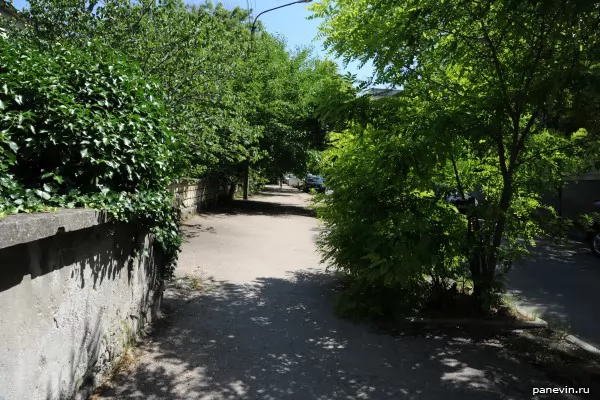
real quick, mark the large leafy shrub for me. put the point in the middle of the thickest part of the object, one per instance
(388, 230)
(82, 127)
(195, 53)
(505, 94)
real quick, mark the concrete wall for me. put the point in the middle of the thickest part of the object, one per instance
(193, 195)
(74, 290)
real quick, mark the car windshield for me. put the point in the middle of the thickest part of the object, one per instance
(315, 179)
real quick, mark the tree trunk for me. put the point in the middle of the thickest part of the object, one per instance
(485, 274)
(480, 285)
(232, 189)
(246, 181)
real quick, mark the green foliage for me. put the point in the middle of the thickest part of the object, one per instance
(258, 180)
(82, 127)
(362, 298)
(496, 101)
(289, 91)
(229, 103)
(195, 53)
(387, 228)
(87, 88)
(314, 162)
(587, 224)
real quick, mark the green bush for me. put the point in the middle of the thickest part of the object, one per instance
(394, 240)
(81, 127)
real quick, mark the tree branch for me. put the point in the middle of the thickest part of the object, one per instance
(501, 153)
(540, 154)
(457, 176)
(494, 57)
(521, 142)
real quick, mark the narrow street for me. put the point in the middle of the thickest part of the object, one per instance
(560, 283)
(257, 323)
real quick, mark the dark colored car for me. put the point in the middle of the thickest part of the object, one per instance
(452, 196)
(461, 204)
(313, 182)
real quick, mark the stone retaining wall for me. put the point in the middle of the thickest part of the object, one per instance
(193, 195)
(74, 292)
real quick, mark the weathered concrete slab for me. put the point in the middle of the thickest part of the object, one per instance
(71, 303)
(25, 228)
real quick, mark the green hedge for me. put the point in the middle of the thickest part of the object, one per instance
(81, 127)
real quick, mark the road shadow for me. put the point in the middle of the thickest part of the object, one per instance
(192, 230)
(272, 191)
(559, 283)
(275, 194)
(566, 252)
(278, 339)
(258, 207)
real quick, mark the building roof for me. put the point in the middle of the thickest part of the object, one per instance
(8, 10)
(378, 93)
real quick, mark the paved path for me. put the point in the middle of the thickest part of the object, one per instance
(561, 284)
(262, 327)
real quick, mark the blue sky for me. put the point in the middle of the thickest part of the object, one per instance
(290, 22)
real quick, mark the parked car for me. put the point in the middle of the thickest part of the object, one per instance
(313, 182)
(294, 182)
(453, 196)
(461, 204)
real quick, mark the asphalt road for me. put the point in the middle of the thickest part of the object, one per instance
(561, 284)
(260, 326)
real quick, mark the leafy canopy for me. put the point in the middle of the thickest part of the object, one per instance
(497, 102)
(229, 103)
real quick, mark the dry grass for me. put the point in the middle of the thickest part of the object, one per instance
(517, 314)
(196, 283)
(126, 362)
(191, 283)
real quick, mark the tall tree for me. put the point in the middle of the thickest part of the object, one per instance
(194, 52)
(289, 91)
(502, 85)
(230, 101)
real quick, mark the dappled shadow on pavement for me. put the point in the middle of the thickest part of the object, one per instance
(278, 339)
(191, 230)
(569, 252)
(260, 207)
(560, 284)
